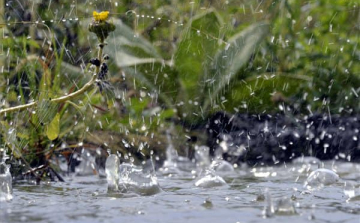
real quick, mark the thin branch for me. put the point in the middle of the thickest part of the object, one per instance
(65, 97)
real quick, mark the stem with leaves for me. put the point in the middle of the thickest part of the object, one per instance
(65, 97)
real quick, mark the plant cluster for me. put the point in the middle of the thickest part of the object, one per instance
(169, 66)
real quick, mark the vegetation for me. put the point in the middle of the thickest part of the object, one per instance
(171, 66)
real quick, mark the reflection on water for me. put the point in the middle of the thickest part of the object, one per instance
(252, 194)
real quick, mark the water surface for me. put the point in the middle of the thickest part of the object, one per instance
(85, 199)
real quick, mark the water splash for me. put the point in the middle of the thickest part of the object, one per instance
(112, 172)
(269, 209)
(126, 178)
(5, 182)
(211, 170)
(285, 206)
(135, 179)
(202, 157)
(281, 206)
(174, 163)
(351, 191)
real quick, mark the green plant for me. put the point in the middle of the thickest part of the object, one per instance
(203, 64)
(37, 141)
(176, 64)
(284, 56)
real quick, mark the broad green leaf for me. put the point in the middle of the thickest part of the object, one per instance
(129, 48)
(229, 60)
(139, 59)
(198, 45)
(53, 128)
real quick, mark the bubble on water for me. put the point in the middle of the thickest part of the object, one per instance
(321, 177)
(210, 180)
(222, 167)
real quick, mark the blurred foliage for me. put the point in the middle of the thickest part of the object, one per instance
(171, 63)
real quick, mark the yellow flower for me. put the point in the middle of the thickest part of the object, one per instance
(101, 16)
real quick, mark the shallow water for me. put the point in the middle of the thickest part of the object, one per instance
(85, 199)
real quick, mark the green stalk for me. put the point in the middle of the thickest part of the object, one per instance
(65, 97)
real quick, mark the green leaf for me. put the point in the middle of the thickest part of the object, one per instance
(140, 59)
(198, 45)
(229, 60)
(138, 105)
(53, 128)
(129, 49)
